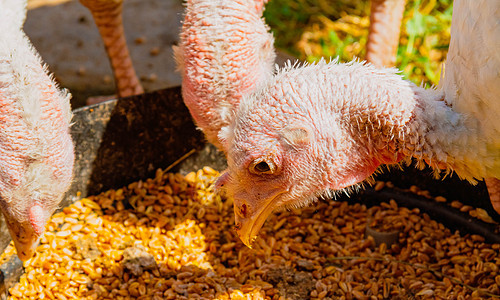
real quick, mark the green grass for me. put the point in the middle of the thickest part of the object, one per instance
(311, 29)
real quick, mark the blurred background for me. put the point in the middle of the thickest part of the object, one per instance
(65, 35)
(311, 29)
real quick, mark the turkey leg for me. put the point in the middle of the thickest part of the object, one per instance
(385, 26)
(108, 18)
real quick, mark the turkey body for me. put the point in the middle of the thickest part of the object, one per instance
(471, 82)
(472, 76)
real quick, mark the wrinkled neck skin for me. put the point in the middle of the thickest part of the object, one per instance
(36, 150)
(365, 117)
(225, 52)
(447, 140)
(423, 126)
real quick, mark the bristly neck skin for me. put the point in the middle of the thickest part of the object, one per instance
(354, 118)
(431, 132)
(448, 140)
(387, 120)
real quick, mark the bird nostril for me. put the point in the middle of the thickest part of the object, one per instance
(21, 234)
(243, 210)
(237, 226)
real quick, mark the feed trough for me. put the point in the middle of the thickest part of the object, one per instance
(123, 141)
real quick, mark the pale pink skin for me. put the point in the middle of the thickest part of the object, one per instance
(36, 150)
(225, 53)
(325, 128)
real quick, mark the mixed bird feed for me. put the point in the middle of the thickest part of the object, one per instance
(172, 237)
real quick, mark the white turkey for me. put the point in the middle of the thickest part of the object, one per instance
(36, 150)
(107, 15)
(318, 129)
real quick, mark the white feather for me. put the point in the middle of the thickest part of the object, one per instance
(471, 81)
(13, 12)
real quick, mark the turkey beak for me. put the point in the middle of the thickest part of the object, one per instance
(25, 238)
(250, 217)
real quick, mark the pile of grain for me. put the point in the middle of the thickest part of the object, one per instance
(171, 237)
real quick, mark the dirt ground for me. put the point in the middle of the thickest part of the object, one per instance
(66, 37)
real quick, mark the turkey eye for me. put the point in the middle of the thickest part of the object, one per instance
(262, 167)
